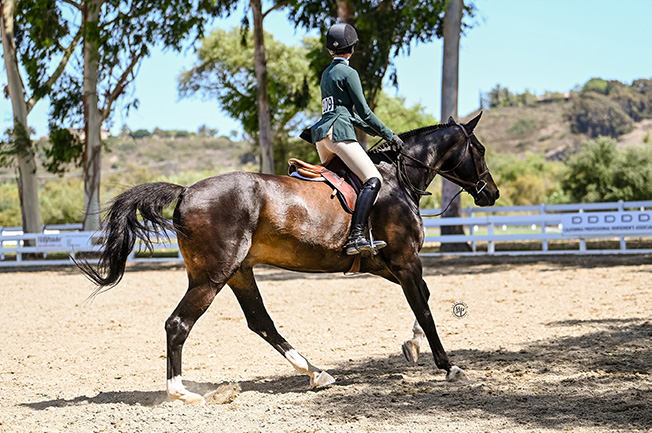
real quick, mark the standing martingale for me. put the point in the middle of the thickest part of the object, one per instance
(227, 224)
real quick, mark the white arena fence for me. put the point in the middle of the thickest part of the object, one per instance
(543, 226)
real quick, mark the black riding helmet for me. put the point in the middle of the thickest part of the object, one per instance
(341, 38)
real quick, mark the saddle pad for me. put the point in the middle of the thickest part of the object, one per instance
(344, 191)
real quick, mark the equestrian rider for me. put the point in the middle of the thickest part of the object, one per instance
(334, 133)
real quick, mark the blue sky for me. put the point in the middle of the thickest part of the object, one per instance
(539, 45)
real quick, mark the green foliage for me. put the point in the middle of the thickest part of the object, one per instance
(524, 181)
(397, 117)
(62, 201)
(9, 206)
(140, 133)
(500, 97)
(597, 85)
(64, 149)
(225, 70)
(596, 114)
(384, 30)
(524, 126)
(601, 172)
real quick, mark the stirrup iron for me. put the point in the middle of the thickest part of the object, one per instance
(375, 245)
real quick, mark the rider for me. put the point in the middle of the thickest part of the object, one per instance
(334, 133)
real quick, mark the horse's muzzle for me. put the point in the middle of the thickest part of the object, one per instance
(486, 194)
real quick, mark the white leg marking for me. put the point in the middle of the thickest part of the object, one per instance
(177, 391)
(317, 377)
(412, 348)
(298, 362)
(456, 374)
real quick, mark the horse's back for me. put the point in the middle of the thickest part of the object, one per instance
(269, 219)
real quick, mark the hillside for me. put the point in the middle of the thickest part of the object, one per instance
(541, 129)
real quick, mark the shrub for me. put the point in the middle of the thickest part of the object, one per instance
(62, 201)
(140, 133)
(601, 173)
(524, 126)
(526, 181)
(597, 115)
(597, 85)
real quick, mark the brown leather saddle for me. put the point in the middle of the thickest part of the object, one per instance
(335, 173)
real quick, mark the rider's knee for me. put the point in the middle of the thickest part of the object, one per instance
(374, 182)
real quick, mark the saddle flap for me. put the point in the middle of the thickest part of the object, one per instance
(345, 183)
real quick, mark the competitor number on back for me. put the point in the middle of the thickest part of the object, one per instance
(327, 105)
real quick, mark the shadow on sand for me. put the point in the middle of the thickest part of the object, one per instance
(599, 378)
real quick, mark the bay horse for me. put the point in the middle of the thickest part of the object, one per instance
(229, 223)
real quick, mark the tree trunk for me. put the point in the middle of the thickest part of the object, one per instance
(265, 135)
(92, 119)
(27, 182)
(449, 88)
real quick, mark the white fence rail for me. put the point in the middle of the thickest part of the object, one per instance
(544, 224)
(485, 230)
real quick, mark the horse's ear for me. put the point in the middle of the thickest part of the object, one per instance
(451, 120)
(471, 124)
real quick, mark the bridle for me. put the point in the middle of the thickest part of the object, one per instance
(465, 185)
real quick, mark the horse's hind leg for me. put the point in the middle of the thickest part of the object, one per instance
(246, 291)
(195, 302)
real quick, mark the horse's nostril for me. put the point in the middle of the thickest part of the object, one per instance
(497, 194)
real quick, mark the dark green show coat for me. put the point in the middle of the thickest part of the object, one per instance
(341, 91)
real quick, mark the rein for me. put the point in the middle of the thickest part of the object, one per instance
(447, 174)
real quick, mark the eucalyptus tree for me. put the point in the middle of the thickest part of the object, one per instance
(452, 29)
(227, 70)
(36, 37)
(117, 36)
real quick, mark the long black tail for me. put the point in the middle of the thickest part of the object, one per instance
(123, 228)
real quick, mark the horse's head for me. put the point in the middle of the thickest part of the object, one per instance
(463, 163)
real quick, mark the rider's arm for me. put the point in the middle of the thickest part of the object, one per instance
(362, 108)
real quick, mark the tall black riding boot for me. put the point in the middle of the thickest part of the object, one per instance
(356, 243)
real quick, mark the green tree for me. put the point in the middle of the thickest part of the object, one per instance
(117, 36)
(225, 70)
(399, 117)
(597, 85)
(385, 28)
(34, 36)
(601, 172)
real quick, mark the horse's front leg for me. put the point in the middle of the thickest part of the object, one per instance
(195, 302)
(417, 294)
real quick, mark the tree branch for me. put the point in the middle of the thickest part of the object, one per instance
(73, 4)
(123, 81)
(57, 73)
(277, 6)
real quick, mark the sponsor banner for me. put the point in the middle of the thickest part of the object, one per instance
(63, 241)
(605, 223)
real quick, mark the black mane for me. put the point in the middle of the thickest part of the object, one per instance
(385, 146)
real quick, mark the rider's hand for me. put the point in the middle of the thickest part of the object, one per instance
(397, 142)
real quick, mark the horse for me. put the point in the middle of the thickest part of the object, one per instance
(229, 223)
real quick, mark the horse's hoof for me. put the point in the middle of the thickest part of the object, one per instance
(189, 398)
(194, 399)
(410, 352)
(456, 374)
(322, 379)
